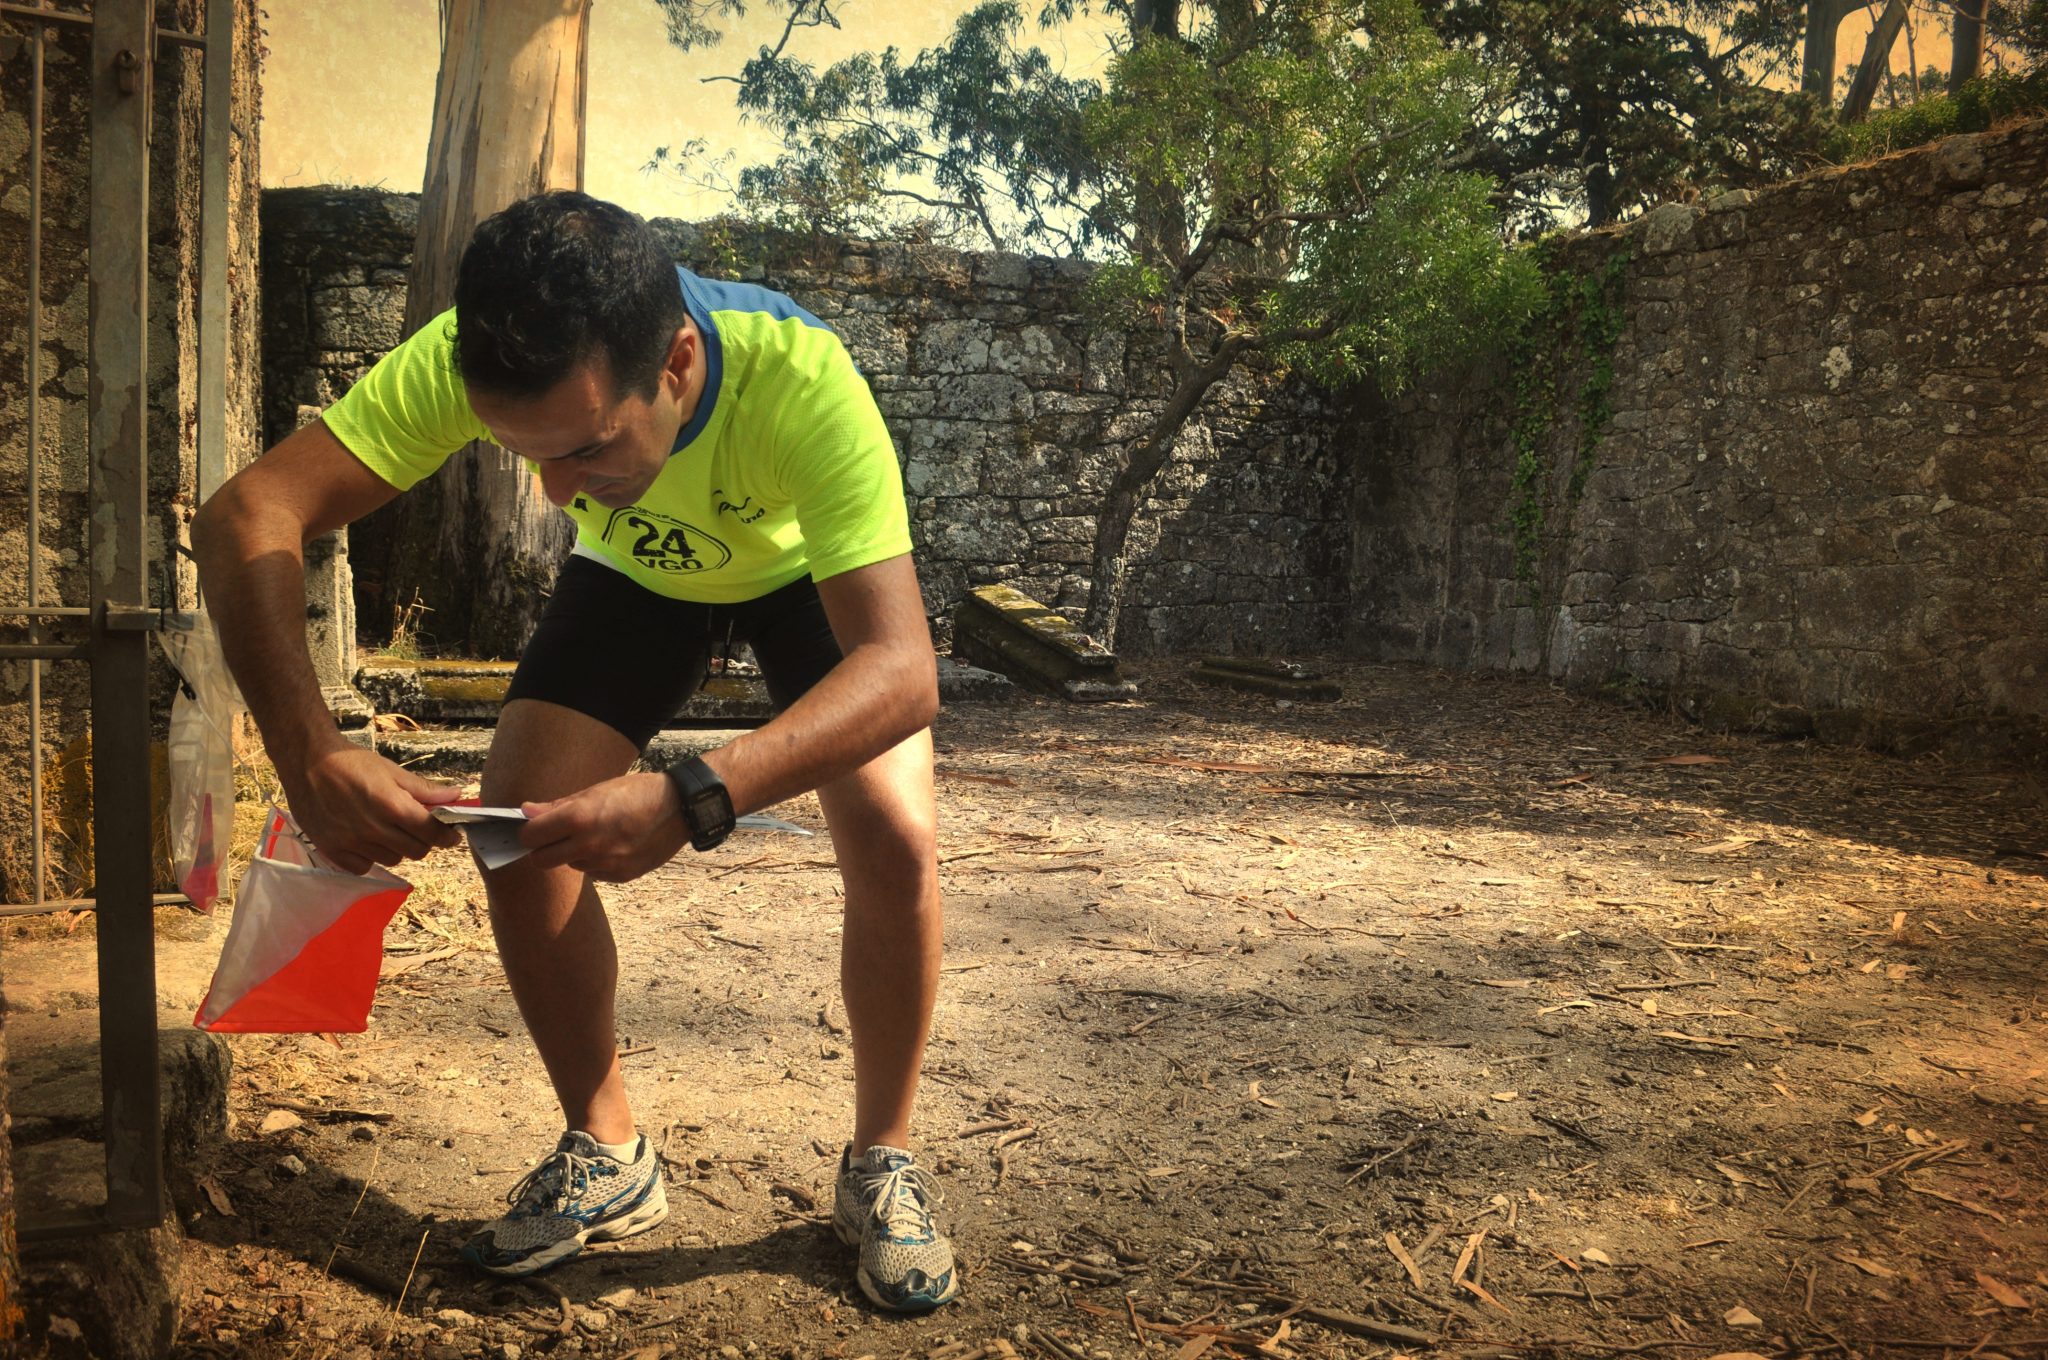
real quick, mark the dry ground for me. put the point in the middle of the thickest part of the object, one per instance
(1515, 1022)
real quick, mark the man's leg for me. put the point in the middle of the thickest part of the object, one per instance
(552, 934)
(884, 832)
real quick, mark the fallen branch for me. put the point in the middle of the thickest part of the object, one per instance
(1413, 1141)
(795, 1194)
(1366, 1327)
(330, 1114)
(368, 1276)
(992, 1126)
(1566, 1126)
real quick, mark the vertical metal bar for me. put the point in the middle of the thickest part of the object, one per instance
(35, 452)
(119, 303)
(213, 248)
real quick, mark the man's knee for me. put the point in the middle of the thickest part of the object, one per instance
(891, 838)
(518, 892)
(903, 836)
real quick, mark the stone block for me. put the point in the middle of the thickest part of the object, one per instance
(961, 683)
(958, 532)
(952, 347)
(877, 346)
(1958, 163)
(437, 693)
(330, 609)
(1007, 631)
(1030, 352)
(1102, 367)
(56, 1097)
(364, 318)
(1668, 229)
(114, 1296)
(1002, 271)
(119, 1291)
(992, 398)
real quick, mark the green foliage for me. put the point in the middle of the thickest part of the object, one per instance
(975, 136)
(1280, 176)
(1575, 329)
(1125, 290)
(1604, 107)
(1290, 182)
(1980, 104)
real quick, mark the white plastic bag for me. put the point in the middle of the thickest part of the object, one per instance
(202, 759)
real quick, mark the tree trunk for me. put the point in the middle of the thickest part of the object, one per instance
(1109, 569)
(1817, 70)
(477, 543)
(1877, 61)
(1159, 223)
(1968, 52)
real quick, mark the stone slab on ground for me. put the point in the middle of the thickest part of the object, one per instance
(1009, 632)
(1281, 679)
(961, 682)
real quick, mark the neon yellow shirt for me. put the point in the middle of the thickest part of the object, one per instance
(784, 470)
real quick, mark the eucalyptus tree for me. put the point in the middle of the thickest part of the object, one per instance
(476, 543)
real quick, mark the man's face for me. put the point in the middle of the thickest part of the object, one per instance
(589, 440)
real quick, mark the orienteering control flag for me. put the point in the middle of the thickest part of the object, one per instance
(303, 952)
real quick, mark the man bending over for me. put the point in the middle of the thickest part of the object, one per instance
(729, 475)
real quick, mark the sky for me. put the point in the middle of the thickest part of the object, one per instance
(348, 89)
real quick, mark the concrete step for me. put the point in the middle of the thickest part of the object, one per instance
(451, 693)
(458, 752)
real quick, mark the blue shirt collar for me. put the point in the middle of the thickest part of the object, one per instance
(714, 361)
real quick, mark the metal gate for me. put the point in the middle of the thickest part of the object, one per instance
(110, 631)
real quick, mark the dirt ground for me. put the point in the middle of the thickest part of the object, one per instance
(1462, 1016)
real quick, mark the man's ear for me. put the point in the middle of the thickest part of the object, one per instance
(682, 354)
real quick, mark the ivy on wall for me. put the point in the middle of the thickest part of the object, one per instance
(1573, 332)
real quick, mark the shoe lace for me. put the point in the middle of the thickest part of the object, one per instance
(905, 1195)
(556, 1170)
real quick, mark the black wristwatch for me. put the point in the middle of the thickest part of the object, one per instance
(707, 807)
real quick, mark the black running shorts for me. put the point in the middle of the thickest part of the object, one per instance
(616, 651)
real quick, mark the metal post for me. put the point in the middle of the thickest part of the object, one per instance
(35, 452)
(122, 34)
(213, 249)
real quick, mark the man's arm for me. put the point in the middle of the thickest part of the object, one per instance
(250, 539)
(884, 691)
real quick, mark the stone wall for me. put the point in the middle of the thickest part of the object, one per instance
(172, 384)
(1820, 499)
(998, 390)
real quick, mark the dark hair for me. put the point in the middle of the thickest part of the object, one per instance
(555, 280)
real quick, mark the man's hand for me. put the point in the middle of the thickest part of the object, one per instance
(614, 831)
(361, 809)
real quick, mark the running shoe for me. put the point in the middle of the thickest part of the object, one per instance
(883, 1205)
(576, 1195)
